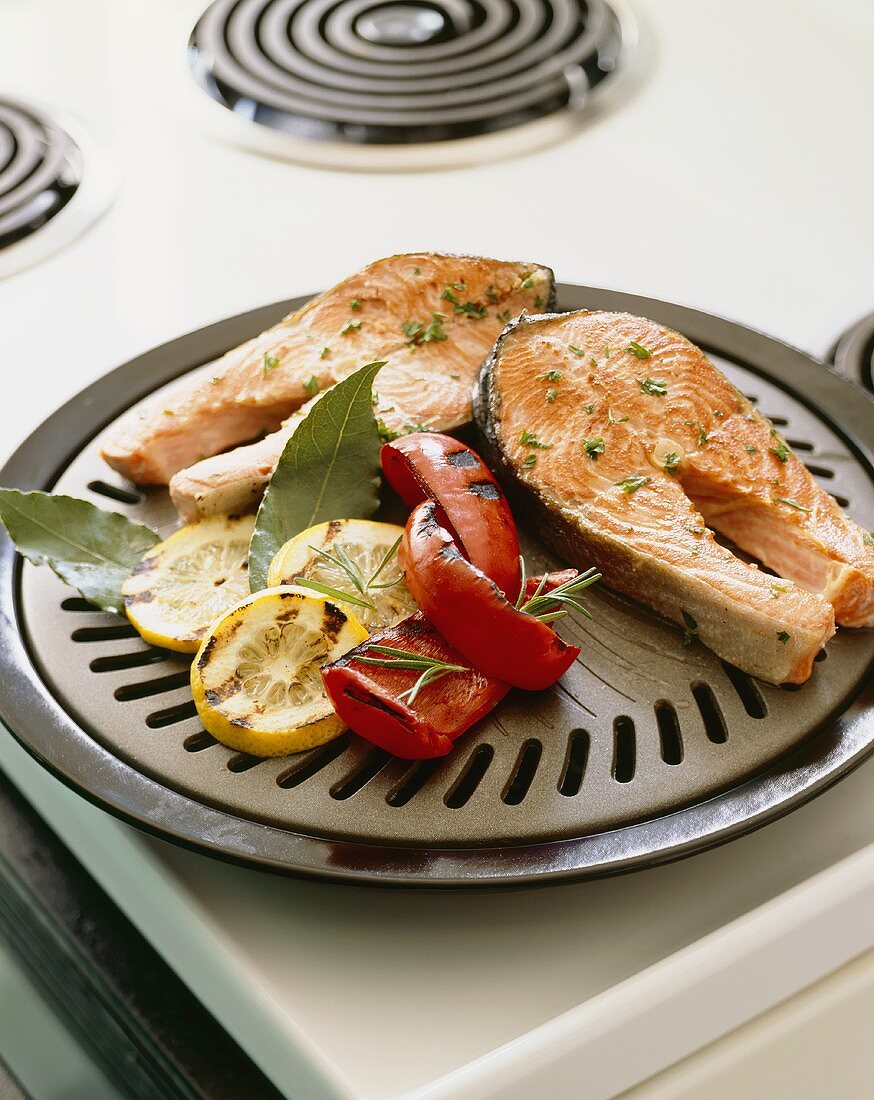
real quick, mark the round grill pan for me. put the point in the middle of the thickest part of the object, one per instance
(647, 751)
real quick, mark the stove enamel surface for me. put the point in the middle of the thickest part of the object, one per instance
(730, 179)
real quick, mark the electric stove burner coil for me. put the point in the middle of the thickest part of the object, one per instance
(40, 170)
(381, 73)
(853, 355)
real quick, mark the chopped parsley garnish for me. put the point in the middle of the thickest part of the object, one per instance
(868, 538)
(530, 461)
(169, 412)
(355, 304)
(417, 271)
(793, 504)
(655, 386)
(782, 636)
(386, 434)
(751, 450)
(216, 378)
(527, 282)
(420, 427)
(691, 628)
(504, 315)
(455, 376)
(593, 360)
(551, 375)
(529, 439)
(324, 353)
(590, 409)
(701, 434)
(311, 385)
(672, 462)
(350, 327)
(777, 590)
(538, 302)
(781, 451)
(270, 363)
(551, 395)
(472, 309)
(631, 484)
(607, 353)
(594, 447)
(576, 351)
(611, 419)
(418, 333)
(491, 296)
(639, 350)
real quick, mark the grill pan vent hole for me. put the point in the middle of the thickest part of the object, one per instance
(313, 763)
(158, 719)
(114, 492)
(843, 501)
(780, 421)
(104, 633)
(76, 603)
(670, 738)
(800, 445)
(197, 742)
(412, 782)
(123, 661)
(471, 776)
(711, 715)
(574, 763)
(820, 471)
(747, 691)
(523, 773)
(361, 776)
(161, 684)
(623, 749)
(243, 762)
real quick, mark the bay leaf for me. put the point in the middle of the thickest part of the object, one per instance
(92, 550)
(329, 469)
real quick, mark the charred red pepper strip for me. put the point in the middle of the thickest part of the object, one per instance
(428, 466)
(553, 580)
(366, 697)
(471, 613)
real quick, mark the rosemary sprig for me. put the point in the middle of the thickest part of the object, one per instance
(431, 668)
(549, 606)
(342, 561)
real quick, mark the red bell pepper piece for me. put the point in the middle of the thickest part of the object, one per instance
(552, 580)
(471, 613)
(366, 696)
(428, 466)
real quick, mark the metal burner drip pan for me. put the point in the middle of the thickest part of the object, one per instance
(646, 751)
(397, 84)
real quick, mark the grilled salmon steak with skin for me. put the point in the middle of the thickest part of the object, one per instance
(625, 442)
(433, 317)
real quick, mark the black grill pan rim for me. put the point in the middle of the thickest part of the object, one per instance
(44, 729)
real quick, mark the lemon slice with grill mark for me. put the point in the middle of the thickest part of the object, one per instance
(356, 561)
(185, 582)
(256, 679)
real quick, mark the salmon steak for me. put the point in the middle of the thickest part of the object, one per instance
(433, 318)
(629, 449)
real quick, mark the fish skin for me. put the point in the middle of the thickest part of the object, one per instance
(254, 388)
(653, 543)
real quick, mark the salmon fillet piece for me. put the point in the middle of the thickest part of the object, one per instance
(433, 317)
(630, 448)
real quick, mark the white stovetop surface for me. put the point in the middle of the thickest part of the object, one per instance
(736, 179)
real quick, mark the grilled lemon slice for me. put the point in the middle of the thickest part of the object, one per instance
(353, 561)
(256, 679)
(188, 580)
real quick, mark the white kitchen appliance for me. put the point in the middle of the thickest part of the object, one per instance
(729, 176)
